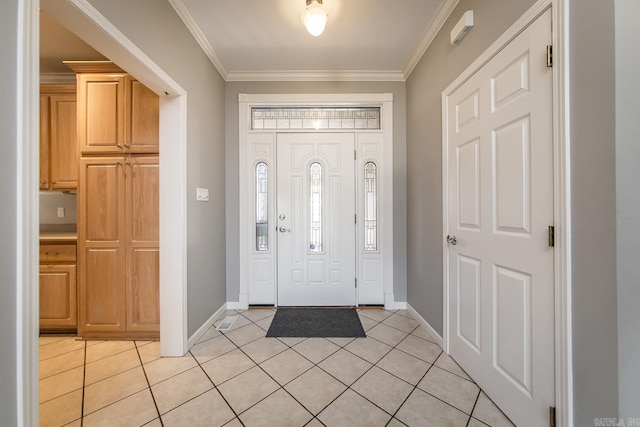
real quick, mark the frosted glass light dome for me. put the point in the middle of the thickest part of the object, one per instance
(315, 18)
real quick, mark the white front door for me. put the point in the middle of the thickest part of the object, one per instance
(500, 204)
(315, 219)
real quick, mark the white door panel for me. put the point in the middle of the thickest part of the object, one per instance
(316, 230)
(500, 204)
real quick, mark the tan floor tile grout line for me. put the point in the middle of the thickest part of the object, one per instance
(153, 397)
(84, 377)
(280, 387)
(216, 387)
(313, 364)
(348, 387)
(474, 407)
(432, 365)
(409, 395)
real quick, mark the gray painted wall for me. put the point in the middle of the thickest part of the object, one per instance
(399, 166)
(627, 39)
(594, 305)
(440, 65)
(8, 209)
(156, 29)
(594, 308)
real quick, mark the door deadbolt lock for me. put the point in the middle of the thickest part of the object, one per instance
(281, 217)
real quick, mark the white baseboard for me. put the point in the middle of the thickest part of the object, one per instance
(425, 324)
(391, 304)
(205, 326)
(243, 304)
(234, 305)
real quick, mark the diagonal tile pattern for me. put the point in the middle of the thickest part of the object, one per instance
(397, 376)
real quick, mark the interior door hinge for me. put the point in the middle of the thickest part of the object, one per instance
(552, 416)
(355, 218)
(355, 154)
(551, 236)
(356, 283)
(549, 56)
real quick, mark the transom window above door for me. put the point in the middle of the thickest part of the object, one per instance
(314, 118)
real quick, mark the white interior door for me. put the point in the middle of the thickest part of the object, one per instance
(500, 204)
(316, 212)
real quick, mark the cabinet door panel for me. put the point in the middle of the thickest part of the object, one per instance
(64, 148)
(101, 200)
(101, 240)
(100, 113)
(102, 293)
(143, 279)
(142, 130)
(58, 296)
(44, 142)
(143, 201)
(143, 291)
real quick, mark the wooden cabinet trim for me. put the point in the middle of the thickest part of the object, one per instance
(57, 253)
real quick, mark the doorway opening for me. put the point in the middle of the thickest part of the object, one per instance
(316, 206)
(79, 17)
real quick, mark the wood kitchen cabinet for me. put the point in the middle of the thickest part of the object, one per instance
(58, 297)
(118, 203)
(117, 114)
(118, 245)
(58, 141)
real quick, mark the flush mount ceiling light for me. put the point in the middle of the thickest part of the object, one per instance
(314, 17)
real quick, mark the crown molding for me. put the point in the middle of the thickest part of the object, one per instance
(434, 27)
(185, 14)
(315, 76)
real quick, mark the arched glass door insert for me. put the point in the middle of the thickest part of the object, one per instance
(262, 207)
(370, 207)
(315, 207)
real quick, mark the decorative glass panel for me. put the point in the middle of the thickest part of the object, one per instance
(370, 206)
(265, 118)
(262, 205)
(315, 207)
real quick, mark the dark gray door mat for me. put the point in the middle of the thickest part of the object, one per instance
(316, 322)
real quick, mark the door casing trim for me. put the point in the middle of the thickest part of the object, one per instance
(245, 102)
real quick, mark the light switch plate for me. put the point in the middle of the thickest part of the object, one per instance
(61, 212)
(202, 194)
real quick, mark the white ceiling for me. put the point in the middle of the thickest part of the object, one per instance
(266, 40)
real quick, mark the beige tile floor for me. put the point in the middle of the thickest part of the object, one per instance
(397, 376)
